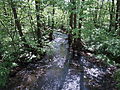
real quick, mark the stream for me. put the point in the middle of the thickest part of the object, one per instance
(61, 74)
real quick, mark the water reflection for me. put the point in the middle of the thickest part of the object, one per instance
(72, 80)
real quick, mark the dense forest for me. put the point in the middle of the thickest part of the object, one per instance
(27, 29)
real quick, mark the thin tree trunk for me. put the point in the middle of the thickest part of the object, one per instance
(111, 16)
(71, 16)
(78, 41)
(19, 27)
(75, 14)
(95, 16)
(49, 21)
(32, 25)
(74, 44)
(71, 20)
(39, 34)
(117, 24)
(99, 16)
(70, 24)
(80, 19)
(53, 13)
(18, 24)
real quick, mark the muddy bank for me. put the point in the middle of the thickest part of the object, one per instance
(62, 72)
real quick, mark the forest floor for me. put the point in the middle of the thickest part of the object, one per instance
(63, 72)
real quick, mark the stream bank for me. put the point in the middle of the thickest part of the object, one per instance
(62, 72)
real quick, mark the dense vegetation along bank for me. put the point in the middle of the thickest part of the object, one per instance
(27, 28)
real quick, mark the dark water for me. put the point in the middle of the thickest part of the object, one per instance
(61, 75)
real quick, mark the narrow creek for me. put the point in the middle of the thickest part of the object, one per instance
(60, 74)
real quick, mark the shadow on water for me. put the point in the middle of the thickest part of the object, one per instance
(60, 75)
(58, 68)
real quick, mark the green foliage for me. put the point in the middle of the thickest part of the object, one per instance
(76, 33)
(93, 15)
(4, 72)
(117, 78)
(60, 18)
(101, 41)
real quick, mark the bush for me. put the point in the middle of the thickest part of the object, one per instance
(104, 43)
(4, 72)
(117, 78)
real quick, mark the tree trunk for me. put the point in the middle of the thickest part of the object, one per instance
(18, 25)
(53, 12)
(71, 16)
(75, 14)
(74, 44)
(117, 24)
(78, 41)
(71, 24)
(111, 16)
(71, 20)
(39, 34)
(32, 24)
